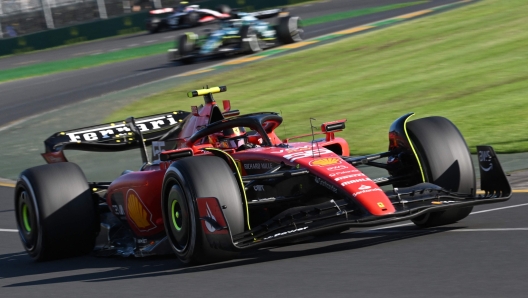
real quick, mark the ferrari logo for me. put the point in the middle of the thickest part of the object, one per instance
(380, 204)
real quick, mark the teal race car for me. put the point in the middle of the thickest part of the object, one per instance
(243, 33)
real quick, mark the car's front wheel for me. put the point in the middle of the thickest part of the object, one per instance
(445, 161)
(251, 42)
(185, 181)
(290, 30)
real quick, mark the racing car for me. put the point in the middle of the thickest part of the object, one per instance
(215, 183)
(245, 33)
(184, 16)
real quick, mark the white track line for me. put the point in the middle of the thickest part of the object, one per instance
(8, 230)
(409, 224)
(475, 212)
(507, 207)
(433, 230)
(490, 230)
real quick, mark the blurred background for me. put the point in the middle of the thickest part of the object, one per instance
(20, 17)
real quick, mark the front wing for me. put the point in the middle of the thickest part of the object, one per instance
(409, 203)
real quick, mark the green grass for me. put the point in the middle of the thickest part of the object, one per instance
(356, 13)
(133, 53)
(468, 65)
(83, 62)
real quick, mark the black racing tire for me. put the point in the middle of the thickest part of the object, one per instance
(250, 41)
(154, 29)
(186, 47)
(55, 212)
(192, 19)
(186, 180)
(290, 30)
(225, 9)
(446, 161)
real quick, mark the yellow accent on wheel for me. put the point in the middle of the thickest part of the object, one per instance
(412, 147)
(239, 175)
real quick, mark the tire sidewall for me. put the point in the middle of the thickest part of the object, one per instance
(175, 177)
(64, 211)
(252, 45)
(33, 243)
(193, 178)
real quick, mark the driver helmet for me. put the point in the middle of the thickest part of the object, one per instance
(231, 138)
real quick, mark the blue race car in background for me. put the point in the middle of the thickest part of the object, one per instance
(243, 33)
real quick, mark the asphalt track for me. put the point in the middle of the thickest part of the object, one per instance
(24, 98)
(482, 256)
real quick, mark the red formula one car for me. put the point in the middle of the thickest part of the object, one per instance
(217, 183)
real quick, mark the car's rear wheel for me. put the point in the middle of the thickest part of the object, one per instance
(185, 181)
(446, 161)
(192, 19)
(153, 29)
(290, 30)
(55, 212)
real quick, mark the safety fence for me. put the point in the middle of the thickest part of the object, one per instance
(22, 17)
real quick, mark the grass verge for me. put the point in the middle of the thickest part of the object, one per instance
(467, 65)
(133, 53)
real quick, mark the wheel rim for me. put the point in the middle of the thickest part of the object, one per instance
(175, 214)
(25, 218)
(296, 30)
(179, 218)
(254, 42)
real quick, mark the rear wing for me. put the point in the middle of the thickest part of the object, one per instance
(270, 13)
(115, 136)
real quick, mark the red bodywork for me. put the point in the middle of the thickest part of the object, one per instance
(136, 196)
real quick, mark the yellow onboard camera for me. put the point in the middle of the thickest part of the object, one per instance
(211, 90)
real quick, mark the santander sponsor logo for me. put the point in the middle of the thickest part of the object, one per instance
(355, 181)
(336, 168)
(309, 153)
(365, 191)
(342, 173)
(349, 176)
